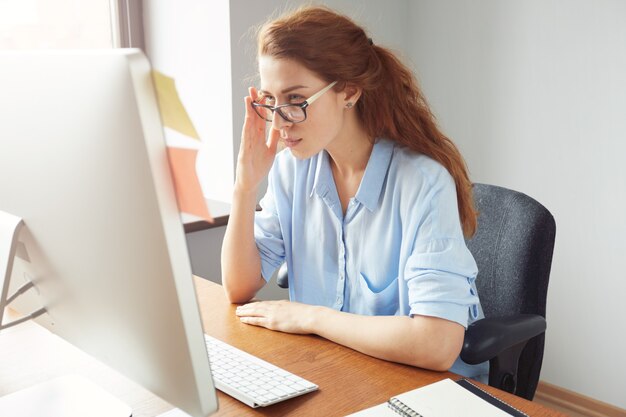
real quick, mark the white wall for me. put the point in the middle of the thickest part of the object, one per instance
(534, 92)
(188, 40)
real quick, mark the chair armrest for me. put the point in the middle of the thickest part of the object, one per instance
(282, 278)
(487, 338)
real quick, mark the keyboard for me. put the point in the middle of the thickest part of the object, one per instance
(252, 380)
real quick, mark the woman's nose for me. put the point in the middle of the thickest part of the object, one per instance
(279, 123)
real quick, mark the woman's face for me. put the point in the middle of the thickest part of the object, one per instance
(285, 81)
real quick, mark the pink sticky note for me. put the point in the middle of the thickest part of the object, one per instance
(188, 191)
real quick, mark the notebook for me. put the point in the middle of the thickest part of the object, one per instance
(444, 398)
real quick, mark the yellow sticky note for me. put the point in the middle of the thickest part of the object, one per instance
(173, 113)
(188, 191)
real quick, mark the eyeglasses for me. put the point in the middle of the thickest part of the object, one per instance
(294, 113)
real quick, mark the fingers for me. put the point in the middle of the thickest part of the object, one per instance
(249, 99)
(255, 321)
(253, 313)
(253, 126)
(273, 315)
(257, 308)
(272, 140)
(250, 113)
(253, 93)
(251, 310)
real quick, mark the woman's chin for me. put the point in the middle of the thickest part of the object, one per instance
(301, 153)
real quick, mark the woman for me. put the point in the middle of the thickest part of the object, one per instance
(368, 205)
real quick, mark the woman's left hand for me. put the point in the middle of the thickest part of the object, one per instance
(284, 316)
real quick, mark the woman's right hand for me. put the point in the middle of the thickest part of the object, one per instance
(256, 153)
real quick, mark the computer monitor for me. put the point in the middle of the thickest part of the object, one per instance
(83, 163)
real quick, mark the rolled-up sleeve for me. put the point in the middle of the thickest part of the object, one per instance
(440, 270)
(440, 275)
(268, 235)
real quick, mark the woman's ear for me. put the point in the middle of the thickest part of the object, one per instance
(352, 93)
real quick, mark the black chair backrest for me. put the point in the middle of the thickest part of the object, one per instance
(513, 248)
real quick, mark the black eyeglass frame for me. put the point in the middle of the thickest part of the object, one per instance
(277, 109)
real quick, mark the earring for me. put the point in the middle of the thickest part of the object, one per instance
(349, 105)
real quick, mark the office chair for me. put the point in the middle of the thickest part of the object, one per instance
(513, 248)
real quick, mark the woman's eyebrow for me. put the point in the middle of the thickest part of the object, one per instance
(285, 91)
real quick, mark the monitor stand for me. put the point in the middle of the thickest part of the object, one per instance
(66, 396)
(10, 226)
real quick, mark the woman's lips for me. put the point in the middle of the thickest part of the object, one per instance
(291, 142)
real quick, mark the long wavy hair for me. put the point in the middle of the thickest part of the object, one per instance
(391, 105)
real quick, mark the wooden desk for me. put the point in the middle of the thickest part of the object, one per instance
(349, 381)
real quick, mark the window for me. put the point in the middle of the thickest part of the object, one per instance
(64, 24)
(188, 41)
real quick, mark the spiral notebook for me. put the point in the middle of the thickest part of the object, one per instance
(444, 398)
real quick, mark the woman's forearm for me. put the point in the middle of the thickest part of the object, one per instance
(241, 263)
(427, 342)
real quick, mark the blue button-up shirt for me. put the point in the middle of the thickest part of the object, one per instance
(398, 250)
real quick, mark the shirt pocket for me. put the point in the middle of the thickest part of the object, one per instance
(377, 300)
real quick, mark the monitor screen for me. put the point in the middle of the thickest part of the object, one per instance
(83, 163)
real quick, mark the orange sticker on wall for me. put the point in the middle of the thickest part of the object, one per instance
(188, 191)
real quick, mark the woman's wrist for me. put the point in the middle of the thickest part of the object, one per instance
(315, 319)
(240, 191)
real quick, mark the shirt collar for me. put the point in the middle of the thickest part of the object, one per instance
(371, 186)
(323, 175)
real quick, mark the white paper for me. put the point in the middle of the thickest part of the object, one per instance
(444, 398)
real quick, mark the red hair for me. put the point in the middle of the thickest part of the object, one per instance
(391, 104)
